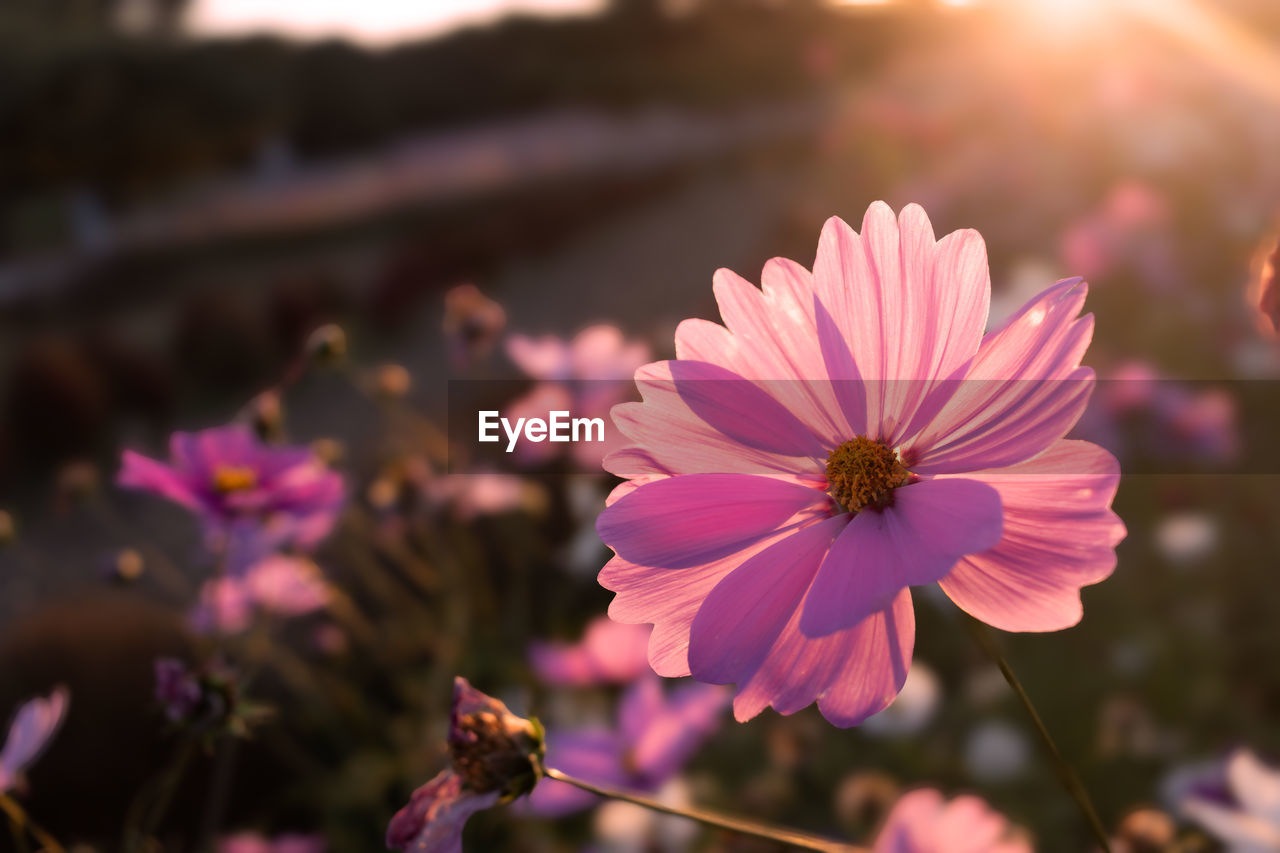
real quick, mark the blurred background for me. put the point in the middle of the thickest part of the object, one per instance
(189, 189)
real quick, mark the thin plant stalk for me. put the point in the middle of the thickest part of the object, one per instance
(22, 823)
(732, 824)
(1070, 780)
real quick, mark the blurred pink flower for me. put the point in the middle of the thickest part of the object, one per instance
(655, 736)
(472, 324)
(1246, 816)
(252, 842)
(495, 755)
(925, 822)
(771, 529)
(608, 653)
(33, 727)
(253, 498)
(1130, 229)
(585, 376)
(1169, 418)
(279, 584)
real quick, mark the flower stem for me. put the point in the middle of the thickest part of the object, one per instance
(1066, 774)
(732, 824)
(21, 821)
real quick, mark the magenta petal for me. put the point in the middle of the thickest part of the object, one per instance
(33, 727)
(916, 541)
(1023, 391)
(742, 617)
(875, 660)
(139, 472)
(1059, 535)
(846, 383)
(682, 442)
(742, 410)
(674, 734)
(687, 521)
(433, 820)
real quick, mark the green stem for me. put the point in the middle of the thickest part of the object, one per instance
(732, 824)
(21, 821)
(1066, 774)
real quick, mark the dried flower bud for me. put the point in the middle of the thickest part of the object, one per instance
(266, 413)
(392, 381)
(125, 566)
(327, 344)
(493, 749)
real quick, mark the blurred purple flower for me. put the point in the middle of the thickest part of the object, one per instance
(496, 756)
(1167, 418)
(177, 689)
(253, 498)
(252, 842)
(608, 653)
(585, 376)
(654, 737)
(33, 727)
(472, 324)
(925, 822)
(280, 585)
(1243, 811)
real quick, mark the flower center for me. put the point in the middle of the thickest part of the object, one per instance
(863, 473)
(234, 478)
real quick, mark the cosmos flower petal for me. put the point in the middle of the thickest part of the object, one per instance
(923, 821)
(737, 625)
(682, 442)
(1023, 391)
(894, 281)
(139, 472)
(742, 410)
(1255, 785)
(33, 727)
(846, 383)
(670, 600)
(433, 820)
(687, 521)
(640, 703)
(1242, 832)
(1059, 535)
(591, 754)
(874, 656)
(674, 734)
(916, 541)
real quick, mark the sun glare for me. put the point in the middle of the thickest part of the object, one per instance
(370, 22)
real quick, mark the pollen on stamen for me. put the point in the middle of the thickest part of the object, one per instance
(234, 478)
(863, 473)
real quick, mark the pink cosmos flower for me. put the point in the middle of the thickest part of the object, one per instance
(1244, 811)
(253, 498)
(655, 736)
(852, 433)
(925, 822)
(609, 653)
(585, 376)
(279, 584)
(33, 727)
(495, 757)
(1265, 293)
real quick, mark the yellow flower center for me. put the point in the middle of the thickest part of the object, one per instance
(863, 473)
(234, 478)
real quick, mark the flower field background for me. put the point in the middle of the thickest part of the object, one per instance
(247, 279)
